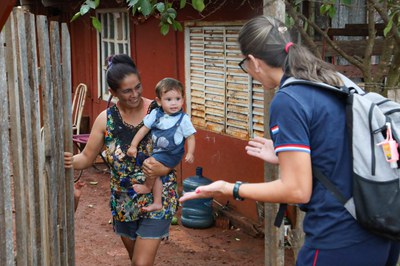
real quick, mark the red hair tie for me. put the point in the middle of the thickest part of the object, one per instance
(287, 46)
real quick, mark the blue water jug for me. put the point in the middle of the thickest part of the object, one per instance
(197, 213)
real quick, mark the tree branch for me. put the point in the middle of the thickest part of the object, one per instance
(352, 60)
(384, 15)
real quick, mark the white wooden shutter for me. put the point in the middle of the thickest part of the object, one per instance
(221, 97)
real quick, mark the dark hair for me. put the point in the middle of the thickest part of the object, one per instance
(118, 67)
(266, 38)
(168, 84)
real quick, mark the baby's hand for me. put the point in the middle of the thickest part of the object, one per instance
(189, 158)
(132, 151)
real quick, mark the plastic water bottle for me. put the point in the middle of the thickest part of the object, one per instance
(197, 213)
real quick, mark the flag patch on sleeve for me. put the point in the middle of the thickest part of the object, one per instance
(275, 130)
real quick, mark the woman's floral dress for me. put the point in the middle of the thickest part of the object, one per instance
(125, 203)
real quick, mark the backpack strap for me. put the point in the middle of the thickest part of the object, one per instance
(329, 185)
(280, 214)
(343, 91)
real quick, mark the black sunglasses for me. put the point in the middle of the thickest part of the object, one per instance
(241, 65)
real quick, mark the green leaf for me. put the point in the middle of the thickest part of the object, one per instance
(131, 3)
(198, 5)
(177, 26)
(171, 12)
(84, 9)
(91, 4)
(182, 4)
(323, 9)
(77, 15)
(97, 2)
(388, 27)
(332, 12)
(164, 29)
(96, 24)
(169, 20)
(160, 7)
(145, 7)
(134, 9)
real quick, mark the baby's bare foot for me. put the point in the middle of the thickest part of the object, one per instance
(141, 189)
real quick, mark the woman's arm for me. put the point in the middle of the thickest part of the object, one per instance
(92, 148)
(293, 186)
(153, 169)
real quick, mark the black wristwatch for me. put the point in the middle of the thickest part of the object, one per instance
(236, 191)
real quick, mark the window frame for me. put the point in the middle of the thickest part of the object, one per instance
(126, 42)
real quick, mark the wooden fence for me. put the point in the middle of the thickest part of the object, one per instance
(36, 193)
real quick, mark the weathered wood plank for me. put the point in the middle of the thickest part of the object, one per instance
(352, 47)
(16, 141)
(37, 149)
(59, 178)
(25, 116)
(6, 220)
(68, 146)
(49, 195)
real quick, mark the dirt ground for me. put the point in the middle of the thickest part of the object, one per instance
(96, 243)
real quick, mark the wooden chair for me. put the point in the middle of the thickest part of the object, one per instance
(78, 139)
(77, 107)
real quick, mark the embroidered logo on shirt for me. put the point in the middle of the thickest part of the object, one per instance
(275, 130)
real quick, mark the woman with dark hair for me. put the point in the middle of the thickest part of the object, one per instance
(141, 232)
(308, 128)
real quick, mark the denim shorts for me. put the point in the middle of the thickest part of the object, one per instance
(144, 228)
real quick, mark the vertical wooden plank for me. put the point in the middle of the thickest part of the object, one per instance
(59, 178)
(37, 150)
(16, 141)
(6, 220)
(48, 183)
(67, 99)
(274, 237)
(25, 109)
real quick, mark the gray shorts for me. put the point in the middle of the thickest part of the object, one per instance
(144, 228)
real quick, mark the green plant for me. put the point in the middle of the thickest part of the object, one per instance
(165, 11)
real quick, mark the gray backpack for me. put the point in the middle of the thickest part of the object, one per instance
(376, 183)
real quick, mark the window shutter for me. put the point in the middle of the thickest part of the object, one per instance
(222, 98)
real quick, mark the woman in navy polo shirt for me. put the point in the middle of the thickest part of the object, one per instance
(307, 125)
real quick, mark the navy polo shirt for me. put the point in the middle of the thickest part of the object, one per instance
(312, 120)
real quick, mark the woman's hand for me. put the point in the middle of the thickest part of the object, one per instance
(214, 189)
(262, 148)
(153, 168)
(68, 160)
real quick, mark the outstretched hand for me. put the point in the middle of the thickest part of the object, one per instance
(214, 189)
(262, 148)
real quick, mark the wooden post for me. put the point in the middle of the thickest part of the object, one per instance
(49, 182)
(16, 141)
(274, 242)
(6, 220)
(69, 178)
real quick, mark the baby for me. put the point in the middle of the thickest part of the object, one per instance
(170, 127)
